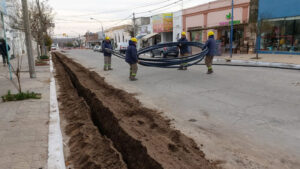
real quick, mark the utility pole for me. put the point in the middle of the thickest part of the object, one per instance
(134, 24)
(231, 30)
(28, 39)
(42, 28)
(258, 31)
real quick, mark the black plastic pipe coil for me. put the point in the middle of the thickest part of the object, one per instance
(168, 62)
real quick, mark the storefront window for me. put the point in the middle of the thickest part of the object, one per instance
(224, 37)
(196, 36)
(281, 34)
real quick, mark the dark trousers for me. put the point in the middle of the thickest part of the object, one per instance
(5, 59)
(107, 62)
(209, 61)
(184, 56)
(133, 70)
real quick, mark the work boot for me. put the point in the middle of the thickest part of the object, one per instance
(133, 79)
(210, 71)
(180, 68)
(110, 68)
(105, 69)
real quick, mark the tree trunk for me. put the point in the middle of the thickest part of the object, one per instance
(38, 49)
(42, 28)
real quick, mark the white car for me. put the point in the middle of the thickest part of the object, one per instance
(97, 48)
(122, 47)
(54, 47)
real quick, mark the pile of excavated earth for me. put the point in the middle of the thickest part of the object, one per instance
(109, 128)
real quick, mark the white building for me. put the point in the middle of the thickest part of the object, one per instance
(177, 25)
(15, 38)
(144, 28)
(119, 34)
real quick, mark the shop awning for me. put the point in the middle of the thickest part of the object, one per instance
(140, 36)
(149, 36)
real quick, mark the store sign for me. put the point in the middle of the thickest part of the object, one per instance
(3, 6)
(162, 22)
(229, 17)
(229, 23)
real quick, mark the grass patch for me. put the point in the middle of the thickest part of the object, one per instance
(44, 57)
(20, 96)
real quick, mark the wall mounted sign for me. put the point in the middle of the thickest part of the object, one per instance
(228, 17)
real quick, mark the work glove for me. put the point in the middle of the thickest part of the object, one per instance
(108, 50)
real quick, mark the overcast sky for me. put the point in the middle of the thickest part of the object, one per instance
(73, 16)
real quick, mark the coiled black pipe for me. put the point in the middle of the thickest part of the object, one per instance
(168, 62)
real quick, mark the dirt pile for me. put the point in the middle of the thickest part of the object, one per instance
(88, 148)
(141, 135)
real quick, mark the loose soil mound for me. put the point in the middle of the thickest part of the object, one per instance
(143, 137)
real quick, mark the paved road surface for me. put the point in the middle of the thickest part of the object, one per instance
(245, 117)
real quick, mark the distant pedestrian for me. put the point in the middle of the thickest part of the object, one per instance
(106, 48)
(211, 46)
(184, 50)
(132, 59)
(3, 51)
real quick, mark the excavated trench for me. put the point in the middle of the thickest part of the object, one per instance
(128, 136)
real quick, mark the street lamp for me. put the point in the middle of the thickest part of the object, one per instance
(101, 25)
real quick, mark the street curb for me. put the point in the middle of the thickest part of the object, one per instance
(260, 64)
(55, 144)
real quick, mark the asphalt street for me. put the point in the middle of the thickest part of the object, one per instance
(243, 116)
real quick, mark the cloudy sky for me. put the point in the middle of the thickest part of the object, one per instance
(73, 16)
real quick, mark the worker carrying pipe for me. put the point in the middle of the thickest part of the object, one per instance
(184, 50)
(132, 59)
(211, 46)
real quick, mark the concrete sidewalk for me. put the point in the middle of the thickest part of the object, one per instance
(271, 58)
(24, 124)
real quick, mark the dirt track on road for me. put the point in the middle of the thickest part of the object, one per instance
(109, 128)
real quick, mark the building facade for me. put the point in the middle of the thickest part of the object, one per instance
(216, 16)
(279, 29)
(162, 24)
(119, 34)
(15, 38)
(177, 25)
(91, 39)
(143, 28)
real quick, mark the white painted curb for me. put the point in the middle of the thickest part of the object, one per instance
(258, 63)
(55, 144)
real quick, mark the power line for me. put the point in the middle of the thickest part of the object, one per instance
(83, 21)
(159, 7)
(158, 12)
(121, 21)
(118, 11)
(162, 10)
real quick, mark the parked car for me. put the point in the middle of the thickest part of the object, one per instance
(53, 47)
(97, 48)
(166, 51)
(122, 47)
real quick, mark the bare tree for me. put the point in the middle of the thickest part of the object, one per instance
(41, 19)
(129, 29)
